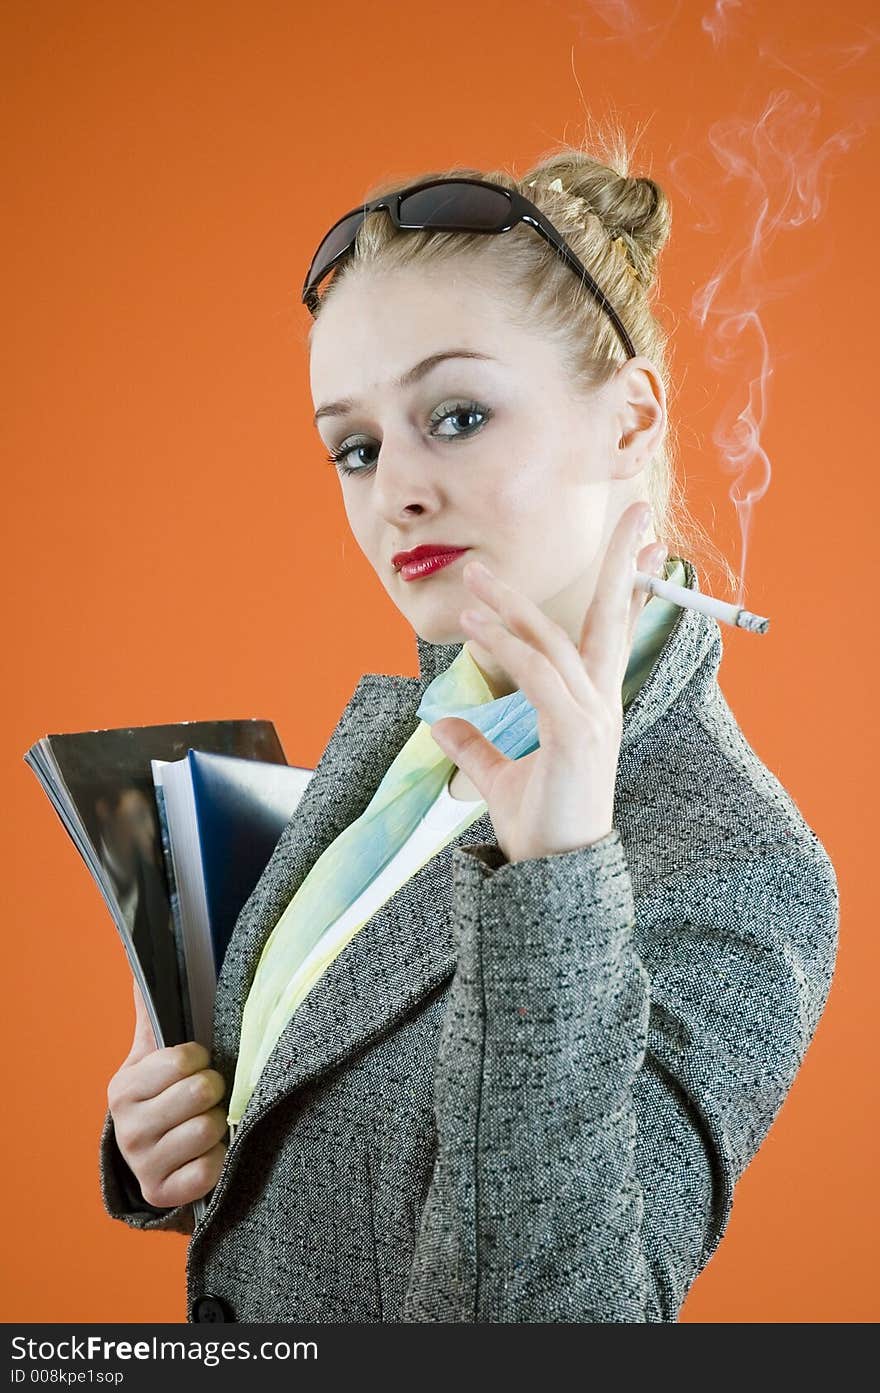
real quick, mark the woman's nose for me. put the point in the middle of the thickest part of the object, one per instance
(404, 479)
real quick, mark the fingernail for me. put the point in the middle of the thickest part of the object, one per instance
(658, 557)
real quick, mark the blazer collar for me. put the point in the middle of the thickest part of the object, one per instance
(407, 949)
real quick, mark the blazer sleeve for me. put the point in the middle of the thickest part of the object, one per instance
(121, 1193)
(601, 1084)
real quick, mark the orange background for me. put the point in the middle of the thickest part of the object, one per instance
(167, 172)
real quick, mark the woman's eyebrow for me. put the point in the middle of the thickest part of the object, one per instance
(406, 379)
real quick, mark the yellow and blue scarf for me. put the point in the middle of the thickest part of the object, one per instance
(409, 787)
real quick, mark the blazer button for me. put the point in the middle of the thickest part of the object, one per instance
(211, 1308)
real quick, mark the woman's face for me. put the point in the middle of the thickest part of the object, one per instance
(494, 453)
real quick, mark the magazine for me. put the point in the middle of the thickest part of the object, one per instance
(100, 783)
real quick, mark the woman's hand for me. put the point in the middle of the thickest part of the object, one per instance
(561, 796)
(166, 1116)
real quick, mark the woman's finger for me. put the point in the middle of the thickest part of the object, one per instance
(650, 561)
(534, 673)
(144, 1041)
(528, 622)
(469, 749)
(605, 634)
(161, 1068)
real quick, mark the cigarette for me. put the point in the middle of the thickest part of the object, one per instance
(706, 604)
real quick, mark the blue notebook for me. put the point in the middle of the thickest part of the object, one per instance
(221, 817)
(242, 807)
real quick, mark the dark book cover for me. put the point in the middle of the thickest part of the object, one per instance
(100, 783)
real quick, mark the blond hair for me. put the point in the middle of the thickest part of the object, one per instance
(617, 224)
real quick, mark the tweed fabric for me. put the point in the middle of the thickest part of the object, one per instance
(523, 1092)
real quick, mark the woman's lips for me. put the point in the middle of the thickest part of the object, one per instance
(418, 570)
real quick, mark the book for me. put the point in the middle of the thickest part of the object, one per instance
(100, 783)
(221, 818)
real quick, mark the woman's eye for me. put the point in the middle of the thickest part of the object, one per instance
(457, 413)
(454, 412)
(338, 457)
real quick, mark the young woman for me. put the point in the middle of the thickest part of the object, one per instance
(531, 972)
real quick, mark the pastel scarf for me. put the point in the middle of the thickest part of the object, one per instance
(409, 787)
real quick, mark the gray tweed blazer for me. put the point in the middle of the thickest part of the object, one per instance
(522, 1092)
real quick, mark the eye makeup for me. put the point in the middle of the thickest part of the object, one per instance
(448, 410)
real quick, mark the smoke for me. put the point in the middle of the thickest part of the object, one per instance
(757, 177)
(715, 24)
(627, 23)
(776, 171)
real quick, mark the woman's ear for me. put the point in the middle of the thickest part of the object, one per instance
(639, 420)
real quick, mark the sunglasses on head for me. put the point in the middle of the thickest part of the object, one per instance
(451, 205)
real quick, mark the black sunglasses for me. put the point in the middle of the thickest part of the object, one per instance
(452, 205)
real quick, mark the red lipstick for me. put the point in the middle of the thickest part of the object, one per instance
(425, 560)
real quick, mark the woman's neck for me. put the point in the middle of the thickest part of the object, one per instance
(496, 679)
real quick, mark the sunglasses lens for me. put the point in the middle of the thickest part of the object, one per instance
(456, 206)
(336, 241)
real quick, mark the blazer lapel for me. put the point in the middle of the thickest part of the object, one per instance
(404, 951)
